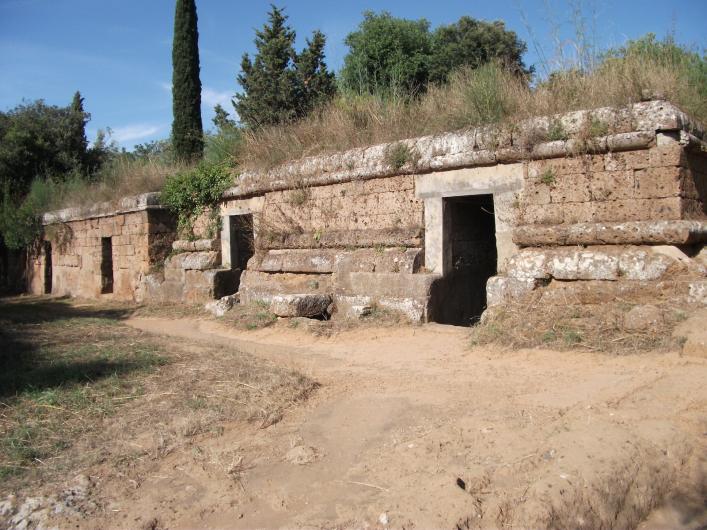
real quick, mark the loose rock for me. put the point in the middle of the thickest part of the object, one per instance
(642, 317)
(301, 455)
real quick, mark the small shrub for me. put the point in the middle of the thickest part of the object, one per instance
(400, 154)
(556, 131)
(299, 196)
(597, 128)
(548, 177)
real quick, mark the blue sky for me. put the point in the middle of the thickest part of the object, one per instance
(118, 52)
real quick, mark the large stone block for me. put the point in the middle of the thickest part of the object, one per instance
(258, 286)
(501, 289)
(385, 285)
(339, 239)
(299, 305)
(595, 292)
(629, 233)
(194, 260)
(211, 284)
(198, 245)
(401, 260)
(592, 263)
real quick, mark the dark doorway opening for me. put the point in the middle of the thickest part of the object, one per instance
(47, 267)
(470, 246)
(106, 265)
(242, 240)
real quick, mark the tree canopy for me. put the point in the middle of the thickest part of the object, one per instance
(40, 140)
(473, 43)
(278, 84)
(389, 54)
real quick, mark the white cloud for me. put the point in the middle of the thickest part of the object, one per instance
(212, 98)
(136, 131)
(167, 87)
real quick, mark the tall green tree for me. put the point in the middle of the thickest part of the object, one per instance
(278, 84)
(76, 142)
(187, 130)
(40, 143)
(471, 42)
(387, 54)
(317, 84)
(396, 55)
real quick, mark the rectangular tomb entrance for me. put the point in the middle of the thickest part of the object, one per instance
(470, 250)
(47, 267)
(241, 239)
(106, 265)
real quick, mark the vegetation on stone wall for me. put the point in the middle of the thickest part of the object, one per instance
(192, 192)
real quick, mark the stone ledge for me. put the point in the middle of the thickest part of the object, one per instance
(197, 245)
(637, 126)
(597, 263)
(360, 306)
(136, 203)
(342, 239)
(628, 233)
(402, 260)
(194, 260)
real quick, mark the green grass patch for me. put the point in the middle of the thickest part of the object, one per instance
(63, 369)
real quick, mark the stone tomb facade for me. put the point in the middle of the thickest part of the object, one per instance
(471, 219)
(479, 217)
(102, 251)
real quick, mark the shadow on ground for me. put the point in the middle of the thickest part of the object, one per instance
(48, 343)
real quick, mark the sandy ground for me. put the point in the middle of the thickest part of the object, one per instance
(412, 428)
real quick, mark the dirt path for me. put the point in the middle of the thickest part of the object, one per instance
(407, 415)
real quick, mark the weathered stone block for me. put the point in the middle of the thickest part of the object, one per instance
(220, 307)
(584, 265)
(194, 260)
(200, 286)
(592, 292)
(629, 233)
(657, 182)
(593, 263)
(671, 155)
(299, 305)
(643, 265)
(697, 292)
(198, 245)
(610, 185)
(528, 264)
(570, 188)
(501, 289)
(385, 285)
(353, 306)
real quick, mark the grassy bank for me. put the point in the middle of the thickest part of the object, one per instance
(487, 95)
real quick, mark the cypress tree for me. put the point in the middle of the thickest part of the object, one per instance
(317, 84)
(76, 131)
(187, 131)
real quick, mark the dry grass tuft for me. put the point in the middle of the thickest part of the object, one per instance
(532, 324)
(121, 177)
